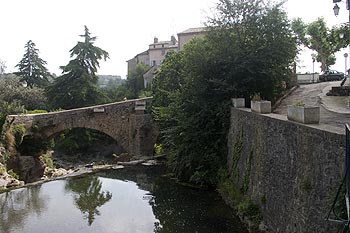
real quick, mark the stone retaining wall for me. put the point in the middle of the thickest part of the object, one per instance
(295, 169)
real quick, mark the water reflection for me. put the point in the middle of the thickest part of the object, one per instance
(88, 196)
(18, 205)
(143, 202)
(180, 209)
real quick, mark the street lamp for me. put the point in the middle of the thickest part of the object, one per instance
(346, 62)
(336, 9)
(313, 56)
(341, 35)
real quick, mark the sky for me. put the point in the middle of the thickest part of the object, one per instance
(123, 28)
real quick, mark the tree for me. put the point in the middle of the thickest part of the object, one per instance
(88, 196)
(77, 86)
(135, 80)
(318, 37)
(12, 89)
(32, 68)
(249, 49)
(2, 67)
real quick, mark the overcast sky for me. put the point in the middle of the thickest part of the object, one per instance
(123, 28)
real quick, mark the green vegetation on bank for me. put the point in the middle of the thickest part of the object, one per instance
(249, 48)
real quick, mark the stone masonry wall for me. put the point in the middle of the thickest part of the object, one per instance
(295, 169)
(121, 121)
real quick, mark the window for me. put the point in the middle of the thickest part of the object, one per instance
(154, 62)
(163, 51)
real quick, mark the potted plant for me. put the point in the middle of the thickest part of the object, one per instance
(238, 102)
(260, 106)
(301, 113)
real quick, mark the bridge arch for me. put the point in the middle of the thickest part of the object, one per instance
(125, 122)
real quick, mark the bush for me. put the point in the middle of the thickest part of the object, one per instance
(247, 208)
(36, 111)
(18, 132)
(47, 160)
(13, 174)
(12, 89)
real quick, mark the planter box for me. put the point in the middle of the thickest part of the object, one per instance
(238, 102)
(262, 106)
(306, 115)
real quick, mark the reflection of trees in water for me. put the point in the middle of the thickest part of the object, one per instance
(182, 209)
(17, 205)
(88, 195)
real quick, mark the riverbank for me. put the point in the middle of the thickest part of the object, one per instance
(8, 182)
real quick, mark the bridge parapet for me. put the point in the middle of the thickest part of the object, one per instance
(123, 121)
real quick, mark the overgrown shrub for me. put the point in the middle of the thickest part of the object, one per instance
(18, 132)
(47, 160)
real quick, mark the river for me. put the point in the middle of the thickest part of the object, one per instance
(131, 200)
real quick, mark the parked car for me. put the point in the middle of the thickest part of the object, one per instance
(331, 75)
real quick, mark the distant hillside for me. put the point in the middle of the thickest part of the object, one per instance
(110, 81)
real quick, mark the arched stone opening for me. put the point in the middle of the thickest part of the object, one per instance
(79, 146)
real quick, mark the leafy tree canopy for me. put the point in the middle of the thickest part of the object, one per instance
(2, 67)
(318, 37)
(249, 49)
(32, 68)
(77, 86)
(12, 89)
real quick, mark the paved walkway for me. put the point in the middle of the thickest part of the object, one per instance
(334, 110)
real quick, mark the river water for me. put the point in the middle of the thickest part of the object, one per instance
(130, 200)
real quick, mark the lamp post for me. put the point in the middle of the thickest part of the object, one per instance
(336, 9)
(346, 62)
(313, 56)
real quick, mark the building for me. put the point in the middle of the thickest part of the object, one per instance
(139, 58)
(158, 49)
(156, 52)
(185, 36)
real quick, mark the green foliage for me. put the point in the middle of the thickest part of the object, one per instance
(80, 140)
(299, 104)
(318, 37)
(135, 80)
(18, 132)
(77, 87)
(7, 108)
(36, 111)
(193, 88)
(2, 67)
(32, 68)
(229, 190)
(12, 89)
(47, 160)
(247, 208)
(36, 146)
(256, 97)
(246, 177)
(133, 88)
(13, 174)
(158, 149)
(2, 169)
(244, 206)
(88, 196)
(236, 154)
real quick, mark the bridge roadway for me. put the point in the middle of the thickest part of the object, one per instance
(127, 122)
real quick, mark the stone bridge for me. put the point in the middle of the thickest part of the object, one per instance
(128, 123)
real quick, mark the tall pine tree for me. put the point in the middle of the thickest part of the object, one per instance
(77, 86)
(32, 68)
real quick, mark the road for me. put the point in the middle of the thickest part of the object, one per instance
(334, 110)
